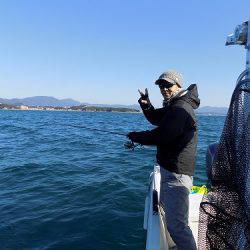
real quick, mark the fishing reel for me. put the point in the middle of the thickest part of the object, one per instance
(130, 145)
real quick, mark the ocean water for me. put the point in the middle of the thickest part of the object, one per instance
(72, 188)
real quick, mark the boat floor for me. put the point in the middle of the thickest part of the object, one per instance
(194, 205)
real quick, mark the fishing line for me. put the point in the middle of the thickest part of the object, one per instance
(128, 145)
(94, 129)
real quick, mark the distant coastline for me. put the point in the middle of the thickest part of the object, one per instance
(91, 109)
(73, 108)
(54, 104)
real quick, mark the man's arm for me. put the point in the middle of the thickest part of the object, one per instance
(170, 128)
(154, 116)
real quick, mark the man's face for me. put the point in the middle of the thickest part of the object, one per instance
(168, 91)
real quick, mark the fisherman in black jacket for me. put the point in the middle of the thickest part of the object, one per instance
(176, 139)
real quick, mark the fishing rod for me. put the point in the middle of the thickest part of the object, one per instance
(128, 144)
(94, 129)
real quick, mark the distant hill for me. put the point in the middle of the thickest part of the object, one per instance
(45, 101)
(212, 110)
(42, 101)
(132, 106)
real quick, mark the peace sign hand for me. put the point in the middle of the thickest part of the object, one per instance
(144, 99)
(144, 95)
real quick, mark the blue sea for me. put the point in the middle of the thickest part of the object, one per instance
(65, 187)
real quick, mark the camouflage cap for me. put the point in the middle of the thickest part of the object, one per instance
(171, 76)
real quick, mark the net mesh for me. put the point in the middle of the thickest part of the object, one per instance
(224, 221)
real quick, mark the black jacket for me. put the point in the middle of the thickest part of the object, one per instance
(176, 133)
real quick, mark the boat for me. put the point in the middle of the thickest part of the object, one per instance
(219, 218)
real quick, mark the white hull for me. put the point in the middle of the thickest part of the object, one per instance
(154, 219)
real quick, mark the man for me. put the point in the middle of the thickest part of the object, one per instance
(176, 139)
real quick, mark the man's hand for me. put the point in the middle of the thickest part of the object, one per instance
(131, 136)
(144, 99)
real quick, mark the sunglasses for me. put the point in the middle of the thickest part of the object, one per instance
(165, 85)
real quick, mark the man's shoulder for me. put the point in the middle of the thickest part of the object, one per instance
(182, 102)
(182, 106)
(179, 103)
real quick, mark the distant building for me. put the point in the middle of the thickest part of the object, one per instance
(23, 107)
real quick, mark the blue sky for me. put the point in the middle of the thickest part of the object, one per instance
(103, 51)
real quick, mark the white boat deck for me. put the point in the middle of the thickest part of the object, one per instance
(194, 205)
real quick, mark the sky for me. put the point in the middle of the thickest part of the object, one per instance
(103, 51)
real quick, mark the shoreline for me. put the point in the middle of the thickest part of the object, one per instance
(62, 110)
(122, 112)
